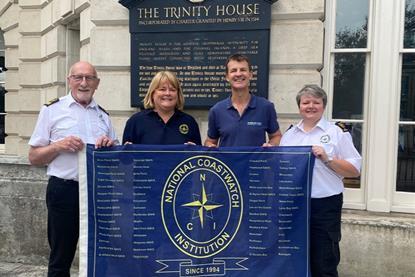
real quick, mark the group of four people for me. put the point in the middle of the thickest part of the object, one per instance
(243, 119)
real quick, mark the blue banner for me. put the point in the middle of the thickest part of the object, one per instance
(195, 211)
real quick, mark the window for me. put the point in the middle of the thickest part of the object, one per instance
(369, 73)
(405, 177)
(348, 59)
(2, 89)
(73, 44)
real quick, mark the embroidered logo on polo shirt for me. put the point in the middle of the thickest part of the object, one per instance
(254, 123)
(184, 129)
(325, 139)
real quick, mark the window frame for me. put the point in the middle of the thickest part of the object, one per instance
(2, 83)
(381, 114)
(354, 198)
(401, 201)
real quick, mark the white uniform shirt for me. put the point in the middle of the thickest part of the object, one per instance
(337, 144)
(65, 118)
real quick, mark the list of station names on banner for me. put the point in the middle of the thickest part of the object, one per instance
(150, 207)
(264, 199)
(120, 197)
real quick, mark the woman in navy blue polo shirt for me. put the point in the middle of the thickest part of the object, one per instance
(163, 120)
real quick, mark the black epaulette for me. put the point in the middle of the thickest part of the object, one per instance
(51, 102)
(102, 109)
(289, 127)
(342, 126)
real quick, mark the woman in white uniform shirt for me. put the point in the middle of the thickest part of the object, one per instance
(336, 158)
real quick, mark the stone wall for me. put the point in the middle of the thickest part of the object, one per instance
(377, 244)
(22, 212)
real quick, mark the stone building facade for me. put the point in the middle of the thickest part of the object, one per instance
(42, 38)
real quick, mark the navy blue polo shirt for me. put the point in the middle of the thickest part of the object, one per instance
(249, 129)
(147, 127)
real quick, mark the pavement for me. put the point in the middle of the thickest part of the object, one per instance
(25, 270)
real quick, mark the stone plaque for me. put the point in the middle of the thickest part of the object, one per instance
(194, 38)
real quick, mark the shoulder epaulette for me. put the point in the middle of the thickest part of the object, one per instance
(51, 102)
(289, 127)
(102, 109)
(342, 126)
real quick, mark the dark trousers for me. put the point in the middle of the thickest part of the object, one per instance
(62, 200)
(325, 235)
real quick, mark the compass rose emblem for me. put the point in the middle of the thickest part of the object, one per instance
(203, 206)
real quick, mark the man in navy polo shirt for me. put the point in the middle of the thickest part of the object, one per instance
(243, 119)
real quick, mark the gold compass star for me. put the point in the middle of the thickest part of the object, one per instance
(202, 205)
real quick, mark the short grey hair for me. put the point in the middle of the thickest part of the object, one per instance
(313, 90)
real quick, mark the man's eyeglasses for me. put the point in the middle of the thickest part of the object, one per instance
(80, 78)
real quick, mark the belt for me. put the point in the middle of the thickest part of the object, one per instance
(67, 181)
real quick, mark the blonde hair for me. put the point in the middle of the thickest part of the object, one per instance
(158, 79)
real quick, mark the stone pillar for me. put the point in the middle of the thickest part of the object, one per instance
(9, 24)
(296, 53)
(109, 44)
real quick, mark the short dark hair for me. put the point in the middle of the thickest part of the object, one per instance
(239, 58)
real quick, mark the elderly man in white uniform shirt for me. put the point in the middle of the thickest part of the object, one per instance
(336, 158)
(63, 128)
